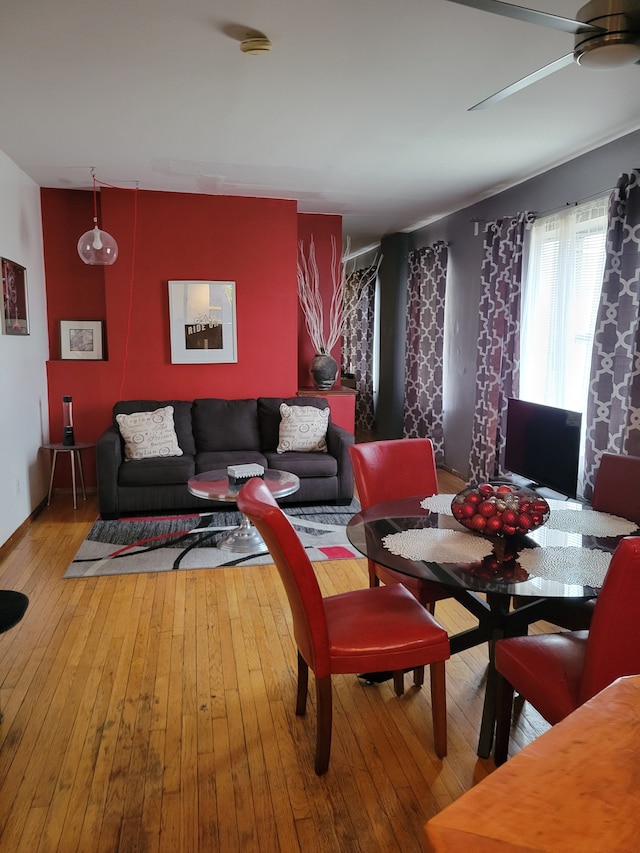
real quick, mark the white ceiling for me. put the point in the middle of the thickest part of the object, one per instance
(359, 110)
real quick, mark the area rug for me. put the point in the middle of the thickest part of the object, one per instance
(169, 543)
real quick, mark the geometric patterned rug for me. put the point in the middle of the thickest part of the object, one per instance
(168, 543)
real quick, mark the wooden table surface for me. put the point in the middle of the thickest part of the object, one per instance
(575, 788)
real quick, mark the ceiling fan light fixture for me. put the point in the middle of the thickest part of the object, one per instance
(618, 42)
(608, 52)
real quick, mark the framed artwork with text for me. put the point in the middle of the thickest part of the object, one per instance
(202, 318)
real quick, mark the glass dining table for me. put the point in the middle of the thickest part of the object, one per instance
(566, 558)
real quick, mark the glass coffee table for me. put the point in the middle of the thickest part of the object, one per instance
(215, 486)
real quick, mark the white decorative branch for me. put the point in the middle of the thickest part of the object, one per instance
(310, 295)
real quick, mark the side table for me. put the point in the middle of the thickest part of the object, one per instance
(75, 452)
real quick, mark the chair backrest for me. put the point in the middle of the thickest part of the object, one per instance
(617, 486)
(301, 585)
(613, 647)
(393, 469)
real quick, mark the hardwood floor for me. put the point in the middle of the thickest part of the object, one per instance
(155, 712)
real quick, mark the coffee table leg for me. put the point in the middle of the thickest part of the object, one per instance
(244, 539)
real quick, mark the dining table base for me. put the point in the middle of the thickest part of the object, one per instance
(496, 619)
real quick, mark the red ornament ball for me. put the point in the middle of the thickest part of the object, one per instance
(500, 509)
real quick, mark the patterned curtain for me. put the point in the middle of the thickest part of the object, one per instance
(357, 340)
(498, 361)
(423, 416)
(613, 405)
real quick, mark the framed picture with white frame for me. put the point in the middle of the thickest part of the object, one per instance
(202, 316)
(81, 339)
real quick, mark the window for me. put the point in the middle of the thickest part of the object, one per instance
(560, 296)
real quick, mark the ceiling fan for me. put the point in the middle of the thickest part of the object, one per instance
(607, 35)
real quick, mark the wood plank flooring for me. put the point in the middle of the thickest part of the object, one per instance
(155, 712)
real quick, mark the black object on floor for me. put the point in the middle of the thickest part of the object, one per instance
(13, 606)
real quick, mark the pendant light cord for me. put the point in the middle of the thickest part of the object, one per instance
(95, 199)
(131, 273)
(127, 337)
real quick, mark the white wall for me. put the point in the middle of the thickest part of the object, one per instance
(23, 379)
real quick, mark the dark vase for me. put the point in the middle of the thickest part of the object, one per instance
(324, 371)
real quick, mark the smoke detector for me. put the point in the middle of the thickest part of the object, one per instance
(255, 46)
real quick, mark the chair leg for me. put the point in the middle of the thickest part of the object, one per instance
(303, 684)
(439, 707)
(398, 682)
(418, 676)
(374, 580)
(325, 712)
(504, 706)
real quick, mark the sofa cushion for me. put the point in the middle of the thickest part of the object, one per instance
(181, 417)
(304, 465)
(303, 428)
(157, 471)
(269, 416)
(149, 434)
(225, 424)
(213, 460)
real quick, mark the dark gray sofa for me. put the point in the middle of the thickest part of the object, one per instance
(214, 433)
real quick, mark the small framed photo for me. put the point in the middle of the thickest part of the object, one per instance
(202, 318)
(15, 313)
(81, 339)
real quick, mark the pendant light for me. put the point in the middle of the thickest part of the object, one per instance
(97, 247)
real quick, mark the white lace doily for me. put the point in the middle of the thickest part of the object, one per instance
(590, 523)
(438, 546)
(438, 503)
(566, 564)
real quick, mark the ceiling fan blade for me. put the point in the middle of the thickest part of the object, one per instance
(540, 74)
(530, 16)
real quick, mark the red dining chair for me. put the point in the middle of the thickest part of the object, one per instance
(386, 471)
(616, 490)
(358, 631)
(557, 673)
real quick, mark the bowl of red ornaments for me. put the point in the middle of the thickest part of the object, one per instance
(499, 509)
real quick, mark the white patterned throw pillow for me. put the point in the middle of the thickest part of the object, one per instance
(149, 434)
(303, 428)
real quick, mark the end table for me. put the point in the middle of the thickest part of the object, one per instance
(75, 452)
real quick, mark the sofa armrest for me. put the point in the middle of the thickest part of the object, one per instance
(338, 442)
(108, 461)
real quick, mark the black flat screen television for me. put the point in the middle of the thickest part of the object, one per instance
(543, 445)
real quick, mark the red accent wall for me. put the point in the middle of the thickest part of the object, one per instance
(163, 237)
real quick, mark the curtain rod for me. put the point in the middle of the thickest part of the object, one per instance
(576, 203)
(478, 221)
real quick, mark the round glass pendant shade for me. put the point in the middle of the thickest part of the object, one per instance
(97, 248)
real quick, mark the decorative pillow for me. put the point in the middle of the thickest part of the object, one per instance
(303, 428)
(149, 434)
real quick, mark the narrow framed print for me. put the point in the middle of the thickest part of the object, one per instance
(81, 339)
(15, 309)
(202, 317)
